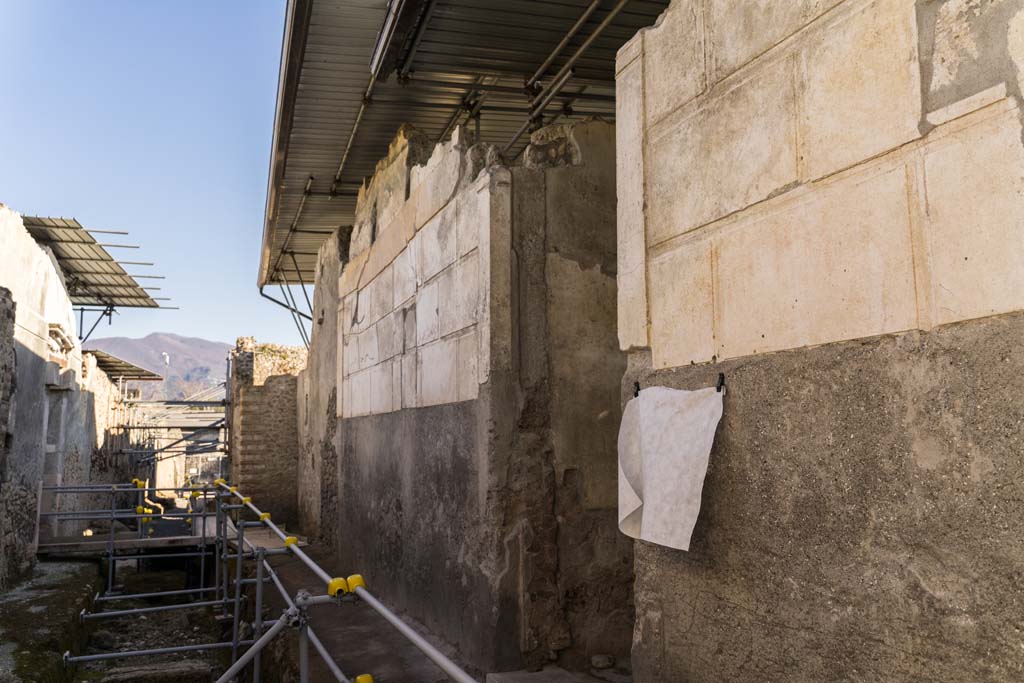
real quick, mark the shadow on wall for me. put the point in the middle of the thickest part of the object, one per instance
(57, 432)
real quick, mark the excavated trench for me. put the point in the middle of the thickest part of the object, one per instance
(40, 621)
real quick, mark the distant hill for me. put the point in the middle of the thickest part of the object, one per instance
(191, 364)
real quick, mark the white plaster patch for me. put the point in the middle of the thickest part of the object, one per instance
(953, 40)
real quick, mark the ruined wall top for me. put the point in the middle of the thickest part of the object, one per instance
(414, 181)
(252, 363)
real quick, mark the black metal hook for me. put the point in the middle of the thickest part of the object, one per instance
(636, 389)
(721, 382)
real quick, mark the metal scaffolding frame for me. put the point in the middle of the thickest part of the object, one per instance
(232, 514)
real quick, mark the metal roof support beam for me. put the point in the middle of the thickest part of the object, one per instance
(500, 89)
(367, 98)
(302, 282)
(107, 311)
(293, 309)
(295, 223)
(282, 304)
(545, 96)
(421, 29)
(120, 263)
(532, 81)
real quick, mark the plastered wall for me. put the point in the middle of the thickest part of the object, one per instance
(414, 315)
(822, 200)
(318, 402)
(478, 371)
(61, 415)
(793, 174)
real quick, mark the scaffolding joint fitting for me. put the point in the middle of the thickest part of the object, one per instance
(356, 581)
(290, 541)
(264, 516)
(337, 585)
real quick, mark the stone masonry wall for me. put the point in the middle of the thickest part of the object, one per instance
(60, 415)
(264, 438)
(479, 373)
(415, 305)
(826, 196)
(317, 405)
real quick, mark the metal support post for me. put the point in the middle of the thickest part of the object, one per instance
(287, 618)
(239, 561)
(158, 594)
(68, 659)
(258, 621)
(111, 562)
(144, 610)
(303, 649)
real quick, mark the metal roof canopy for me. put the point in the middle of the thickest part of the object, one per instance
(352, 71)
(117, 368)
(92, 276)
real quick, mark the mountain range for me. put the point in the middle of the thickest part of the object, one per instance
(188, 364)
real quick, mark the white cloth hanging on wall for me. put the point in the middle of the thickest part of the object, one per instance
(664, 443)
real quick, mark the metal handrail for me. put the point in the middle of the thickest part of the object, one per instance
(443, 662)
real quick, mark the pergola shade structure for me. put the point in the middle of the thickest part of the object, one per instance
(93, 277)
(353, 71)
(116, 368)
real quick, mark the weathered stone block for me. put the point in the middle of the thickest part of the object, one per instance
(631, 252)
(975, 220)
(350, 354)
(860, 86)
(390, 335)
(459, 289)
(630, 50)
(404, 268)
(409, 328)
(360, 399)
(471, 215)
(682, 306)
(380, 388)
(742, 31)
(427, 319)
(409, 380)
(381, 297)
(466, 372)
(388, 245)
(369, 348)
(831, 266)
(348, 312)
(349, 280)
(437, 372)
(437, 180)
(673, 57)
(434, 244)
(396, 384)
(734, 151)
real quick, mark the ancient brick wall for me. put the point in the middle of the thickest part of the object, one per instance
(825, 195)
(264, 440)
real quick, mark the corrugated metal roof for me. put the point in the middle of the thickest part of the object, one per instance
(325, 70)
(116, 367)
(92, 275)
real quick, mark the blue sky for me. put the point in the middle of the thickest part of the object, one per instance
(156, 118)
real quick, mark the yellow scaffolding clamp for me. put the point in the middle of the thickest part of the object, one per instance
(364, 678)
(337, 585)
(291, 540)
(264, 516)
